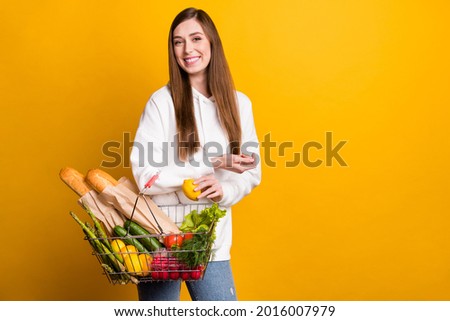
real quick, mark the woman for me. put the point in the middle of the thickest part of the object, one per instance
(198, 127)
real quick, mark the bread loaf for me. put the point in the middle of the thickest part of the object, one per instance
(99, 179)
(75, 180)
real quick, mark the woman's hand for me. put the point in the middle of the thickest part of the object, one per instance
(210, 187)
(234, 163)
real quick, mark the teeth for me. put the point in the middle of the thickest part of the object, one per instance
(191, 60)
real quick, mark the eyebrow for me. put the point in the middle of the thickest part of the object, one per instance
(190, 35)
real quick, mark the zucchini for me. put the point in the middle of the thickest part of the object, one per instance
(150, 243)
(123, 234)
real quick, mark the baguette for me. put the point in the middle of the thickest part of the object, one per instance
(99, 179)
(75, 180)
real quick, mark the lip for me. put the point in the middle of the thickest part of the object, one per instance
(191, 60)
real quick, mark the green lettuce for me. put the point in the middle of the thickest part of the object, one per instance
(196, 251)
(201, 222)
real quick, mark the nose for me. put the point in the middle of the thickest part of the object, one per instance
(188, 47)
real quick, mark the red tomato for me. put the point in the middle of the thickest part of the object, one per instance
(188, 236)
(173, 240)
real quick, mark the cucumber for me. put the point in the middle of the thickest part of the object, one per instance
(150, 243)
(122, 233)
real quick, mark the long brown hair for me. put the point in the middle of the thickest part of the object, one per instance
(220, 85)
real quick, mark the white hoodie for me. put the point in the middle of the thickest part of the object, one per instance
(155, 148)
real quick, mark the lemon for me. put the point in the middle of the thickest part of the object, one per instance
(188, 189)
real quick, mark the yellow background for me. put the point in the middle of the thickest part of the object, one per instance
(375, 73)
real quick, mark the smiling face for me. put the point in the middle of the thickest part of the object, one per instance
(192, 48)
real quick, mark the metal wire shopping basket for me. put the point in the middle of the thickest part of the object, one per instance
(129, 261)
(159, 264)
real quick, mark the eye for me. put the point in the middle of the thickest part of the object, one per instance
(196, 39)
(177, 43)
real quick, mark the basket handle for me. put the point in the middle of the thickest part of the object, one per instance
(141, 194)
(151, 180)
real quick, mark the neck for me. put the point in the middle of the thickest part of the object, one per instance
(199, 82)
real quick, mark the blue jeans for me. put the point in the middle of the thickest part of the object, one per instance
(217, 285)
